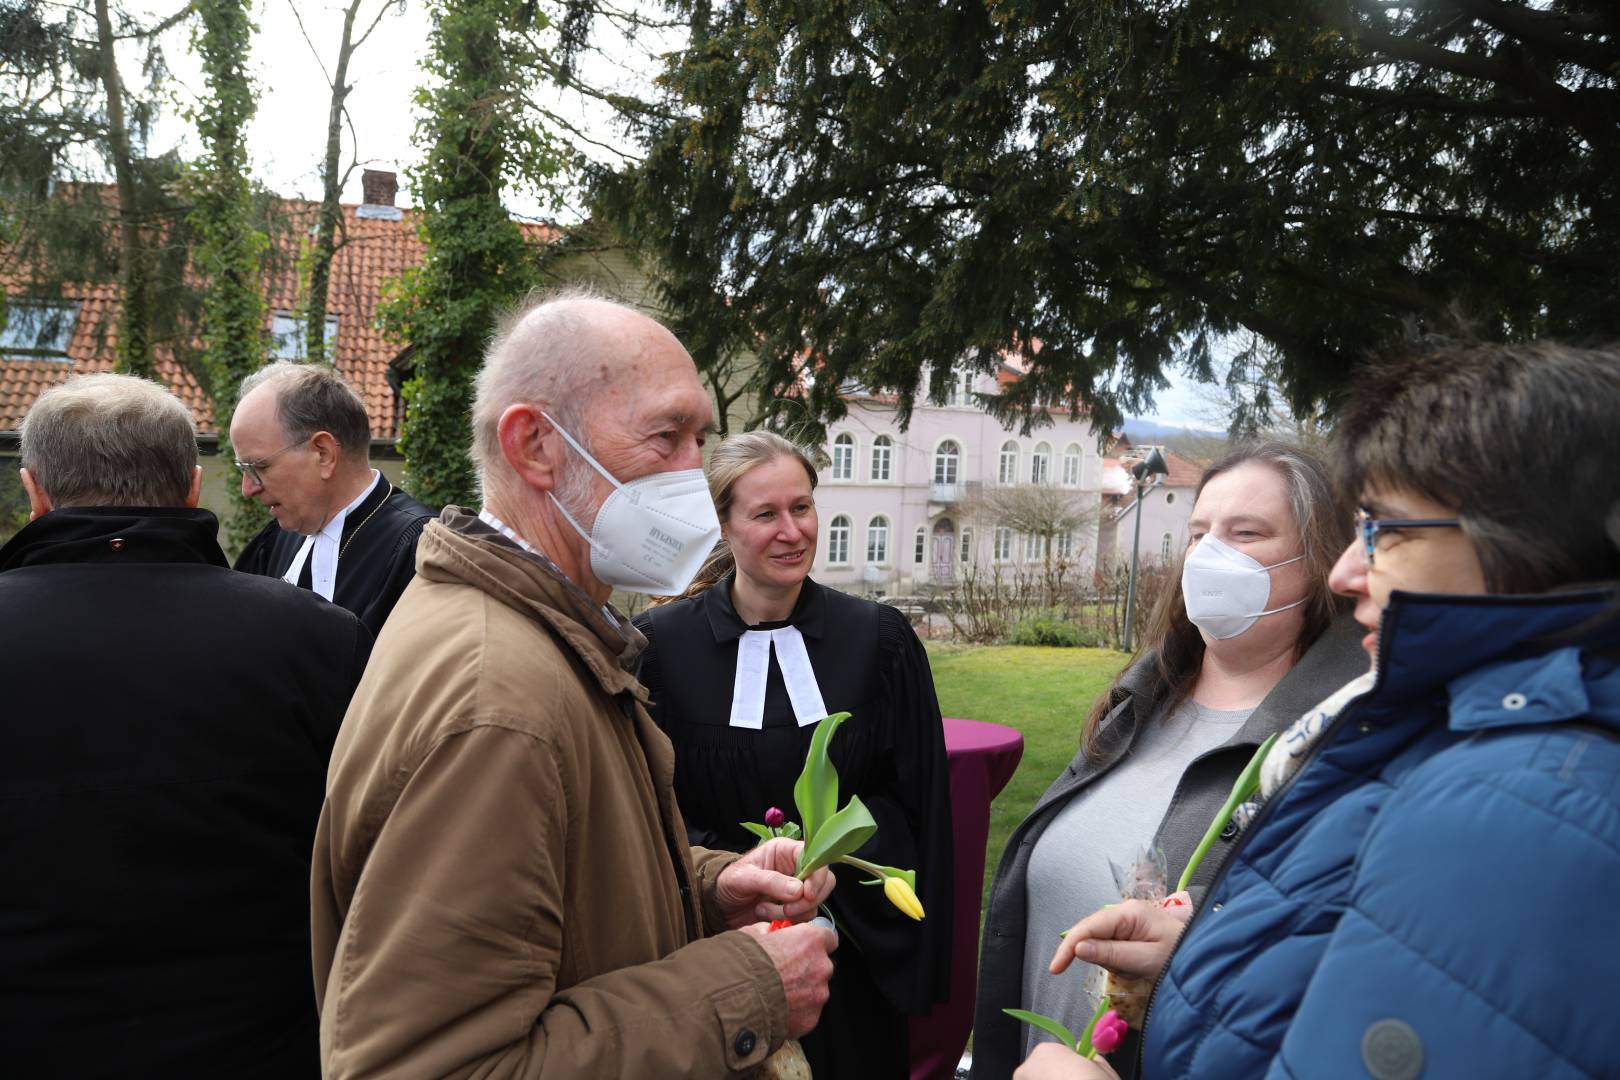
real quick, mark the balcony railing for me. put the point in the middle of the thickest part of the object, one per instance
(945, 493)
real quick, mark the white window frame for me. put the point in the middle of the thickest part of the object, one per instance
(877, 541)
(1065, 545)
(1165, 546)
(955, 460)
(1073, 461)
(1007, 463)
(843, 456)
(882, 455)
(288, 340)
(838, 531)
(1040, 464)
(965, 544)
(919, 553)
(27, 321)
(1003, 547)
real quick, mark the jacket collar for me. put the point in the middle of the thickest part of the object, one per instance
(460, 547)
(1503, 661)
(116, 534)
(809, 612)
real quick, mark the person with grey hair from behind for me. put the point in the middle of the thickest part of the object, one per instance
(342, 529)
(503, 885)
(167, 727)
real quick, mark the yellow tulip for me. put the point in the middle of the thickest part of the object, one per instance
(902, 897)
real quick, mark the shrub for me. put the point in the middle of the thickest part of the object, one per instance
(1044, 630)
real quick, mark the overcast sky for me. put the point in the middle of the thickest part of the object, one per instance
(287, 138)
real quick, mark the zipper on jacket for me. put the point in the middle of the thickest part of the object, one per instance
(1322, 743)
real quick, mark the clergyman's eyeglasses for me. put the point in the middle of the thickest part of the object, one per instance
(251, 468)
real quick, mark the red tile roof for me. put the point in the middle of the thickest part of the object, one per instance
(1183, 473)
(377, 250)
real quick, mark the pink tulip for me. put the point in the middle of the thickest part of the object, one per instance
(1108, 1033)
(774, 818)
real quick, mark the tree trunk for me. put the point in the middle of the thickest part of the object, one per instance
(134, 327)
(331, 219)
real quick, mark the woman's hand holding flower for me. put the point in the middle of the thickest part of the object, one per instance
(1133, 938)
(1054, 1061)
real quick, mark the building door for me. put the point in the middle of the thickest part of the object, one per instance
(943, 564)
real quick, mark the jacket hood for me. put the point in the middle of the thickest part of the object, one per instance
(116, 534)
(459, 547)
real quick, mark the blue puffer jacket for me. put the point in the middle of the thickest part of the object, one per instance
(1435, 893)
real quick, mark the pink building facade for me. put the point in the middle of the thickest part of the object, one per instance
(901, 512)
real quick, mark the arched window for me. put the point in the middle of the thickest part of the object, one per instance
(843, 457)
(882, 457)
(1003, 548)
(838, 541)
(1071, 466)
(947, 462)
(877, 540)
(1008, 473)
(1040, 464)
(1164, 548)
(967, 545)
(920, 551)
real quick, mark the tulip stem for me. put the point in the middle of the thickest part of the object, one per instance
(861, 864)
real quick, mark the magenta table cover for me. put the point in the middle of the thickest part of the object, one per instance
(982, 759)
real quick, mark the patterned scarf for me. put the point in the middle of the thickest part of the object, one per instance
(1288, 753)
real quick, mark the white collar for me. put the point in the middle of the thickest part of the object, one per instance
(333, 530)
(753, 667)
(505, 530)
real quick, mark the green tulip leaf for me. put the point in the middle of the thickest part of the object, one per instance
(790, 830)
(816, 791)
(1084, 1045)
(761, 831)
(1046, 1024)
(1248, 782)
(839, 835)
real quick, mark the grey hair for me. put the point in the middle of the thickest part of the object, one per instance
(110, 440)
(313, 397)
(546, 350)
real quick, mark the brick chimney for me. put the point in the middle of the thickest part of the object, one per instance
(378, 187)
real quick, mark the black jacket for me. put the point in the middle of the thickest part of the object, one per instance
(166, 728)
(998, 1040)
(378, 559)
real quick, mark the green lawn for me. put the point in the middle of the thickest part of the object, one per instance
(1044, 693)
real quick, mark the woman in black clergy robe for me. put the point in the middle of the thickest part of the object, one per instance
(740, 670)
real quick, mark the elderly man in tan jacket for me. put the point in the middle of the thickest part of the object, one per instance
(502, 884)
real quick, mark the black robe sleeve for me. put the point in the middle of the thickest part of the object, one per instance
(910, 961)
(259, 554)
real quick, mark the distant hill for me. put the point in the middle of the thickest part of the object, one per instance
(1139, 430)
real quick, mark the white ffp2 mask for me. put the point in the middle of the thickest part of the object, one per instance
(1225, 590)
(651, 534)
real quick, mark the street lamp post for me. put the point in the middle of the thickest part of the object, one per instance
(1154, 465)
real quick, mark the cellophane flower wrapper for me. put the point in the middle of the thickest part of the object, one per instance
(1143, 878)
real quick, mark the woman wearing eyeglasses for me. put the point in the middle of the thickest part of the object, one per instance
(1253, 636)
(1424, 884)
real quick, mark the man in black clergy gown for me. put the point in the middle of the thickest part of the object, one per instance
(167, 725)
(341, 528)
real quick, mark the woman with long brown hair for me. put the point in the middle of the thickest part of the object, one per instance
(740, 671)
(1251, 638)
